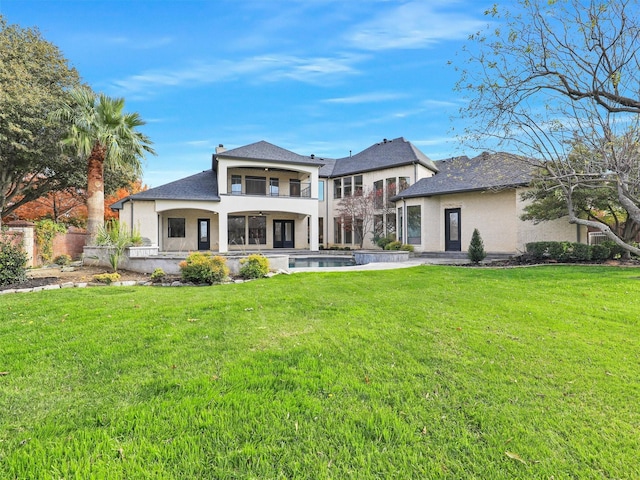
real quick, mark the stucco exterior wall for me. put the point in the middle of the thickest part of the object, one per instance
(141, 215)
(554, 230)
(328, 209)
(190, 240)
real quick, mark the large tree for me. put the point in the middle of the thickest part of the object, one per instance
(34, 79)
(101, 132)
(558, 81)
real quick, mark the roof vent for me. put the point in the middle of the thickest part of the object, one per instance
(312, 156)
(384, 140)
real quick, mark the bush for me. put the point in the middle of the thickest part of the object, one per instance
(117, 237)
(204, 268)
(383, 240)
(254, 266)
(62, 260)
(107, 278)
(559, 251)
(538, 250)
(157, 275)
(581, 252)
(615, 250)
(407, 248)
(13, 261)
(600, 252)
(476, 251)
(395, 245)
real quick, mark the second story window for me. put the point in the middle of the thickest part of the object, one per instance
(255, 185)
(274, 187)
(379, 194)
(403, 183)
(321, 190)
(357, 185)
(236, 185)
(346, 186)
(337, 188)
(294, 187)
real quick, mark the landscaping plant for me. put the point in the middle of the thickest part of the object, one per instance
(203, 267)
(254, 266)
(13, 261)
(476, 251)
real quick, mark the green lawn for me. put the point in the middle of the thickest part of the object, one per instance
(428, 372)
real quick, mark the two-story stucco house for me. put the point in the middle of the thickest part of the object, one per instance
(261, 196)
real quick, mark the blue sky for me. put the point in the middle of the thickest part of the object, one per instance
(321, 77)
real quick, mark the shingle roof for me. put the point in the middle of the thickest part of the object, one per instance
(386, 154)
(464, 174)
(267, 151)
(201, 186)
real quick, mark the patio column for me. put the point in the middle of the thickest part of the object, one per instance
(313, 233)
(223, 233)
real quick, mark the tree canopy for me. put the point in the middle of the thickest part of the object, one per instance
(558, 81)
(34, 78)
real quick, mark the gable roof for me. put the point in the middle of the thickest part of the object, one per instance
(201, 186)
(464, 174)
(267, 151)
(386, 154)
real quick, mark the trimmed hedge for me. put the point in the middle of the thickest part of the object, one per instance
(569, 252)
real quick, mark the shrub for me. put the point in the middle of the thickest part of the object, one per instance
(116, 236)
(600, 252)
(254, 266)
(157, 275)
(107, 278)
(383, 240)
(62, 260)
(13, 261)
(476, 251)
(395, 245)
(407, 248)
(202, 267)
(538, 250)
(615, 250)
(559, 251)
(581, 252)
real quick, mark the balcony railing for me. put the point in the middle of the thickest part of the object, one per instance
(261, 189)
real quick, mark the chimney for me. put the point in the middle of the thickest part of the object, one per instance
(220, 148)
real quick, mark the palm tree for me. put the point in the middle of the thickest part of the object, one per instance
(102, 132)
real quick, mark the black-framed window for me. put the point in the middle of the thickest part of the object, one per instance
(357, 185)
(176, 227)
(294, 187)
(337, 188)
(379, 194)
(274, 187)
(258, 230)
(236, 185)
(236, 227)
(255, 185)
(346, 186)
(414, 225)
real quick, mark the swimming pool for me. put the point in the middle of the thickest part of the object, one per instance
(320, 262)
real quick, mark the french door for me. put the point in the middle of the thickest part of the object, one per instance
(452, 230)
(283, 234)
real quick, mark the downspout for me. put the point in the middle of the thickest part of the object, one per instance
(131, 221)
(325, 227)
(404, 220)
(415, 172)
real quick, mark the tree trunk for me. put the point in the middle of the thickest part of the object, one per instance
(95, 191)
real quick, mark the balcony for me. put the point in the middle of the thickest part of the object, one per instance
(262, 187)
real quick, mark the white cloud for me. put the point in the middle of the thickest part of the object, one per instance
(366, 98)
(416, 24)
(264, 68)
